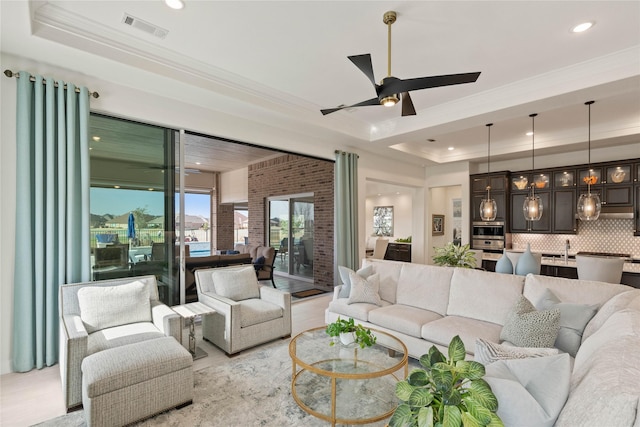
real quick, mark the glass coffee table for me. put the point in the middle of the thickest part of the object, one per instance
(346, 384)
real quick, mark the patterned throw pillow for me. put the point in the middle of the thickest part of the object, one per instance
(345, 291)
(364, 290)
(488, 352)
(526, 327)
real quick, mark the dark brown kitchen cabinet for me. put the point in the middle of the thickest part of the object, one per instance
(517, 221)
(501, 204)
(564, 211)
(480, 182)
(636, 211)
(499, 183)
(398, 252)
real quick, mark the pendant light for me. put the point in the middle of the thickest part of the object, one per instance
(488, 207)
(532, 207)
(589, 204)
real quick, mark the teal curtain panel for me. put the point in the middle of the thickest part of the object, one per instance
(52, 212)
(346, 182)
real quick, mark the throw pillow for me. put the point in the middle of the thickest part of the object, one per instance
(104, 307)
(236, 283)
(573, 320)
(364, 290)
(488, 352)
(530, 392)
(258, 263)
(526, 327)
(345, 291)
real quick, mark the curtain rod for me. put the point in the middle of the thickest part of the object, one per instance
(10, 73)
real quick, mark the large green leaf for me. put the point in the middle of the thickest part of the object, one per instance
(420, 397)
(452, 417)
(443, 380)
(463, 367)
(477, 410)
(456, 349)
(495, 421)
(432, 357)
(480, 391)
(425, 417)
(476, 370)
(469, 420)
(404, 390)
(418, 378)
(401, 417)
(451, 396)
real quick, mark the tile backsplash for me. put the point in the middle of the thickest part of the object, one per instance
(603, 235)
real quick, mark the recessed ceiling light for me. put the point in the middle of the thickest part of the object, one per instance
(450, 148)
(96, 138)
(151, 189)
(198, 163)
(582, 27)
(175, 4)
(116, 186)
(529, 133)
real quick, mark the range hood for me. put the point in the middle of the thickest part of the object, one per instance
(615, 212)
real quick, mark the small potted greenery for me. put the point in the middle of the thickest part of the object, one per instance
(455, 256)
(448, 392)
(349, 332)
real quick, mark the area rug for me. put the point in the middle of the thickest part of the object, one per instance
(308, 293)
(252, 389)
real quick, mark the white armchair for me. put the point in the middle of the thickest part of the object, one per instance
(247, 313)
(90, 324)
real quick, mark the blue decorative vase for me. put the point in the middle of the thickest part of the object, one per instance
(503, 265)
(527, 263)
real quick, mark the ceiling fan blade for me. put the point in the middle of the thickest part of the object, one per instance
(407, 85)
(363, 62)
(407, 105)
(372, 101)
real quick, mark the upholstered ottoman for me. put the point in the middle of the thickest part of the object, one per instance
(135, 381)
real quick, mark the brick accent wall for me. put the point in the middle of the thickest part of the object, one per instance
(291, 174)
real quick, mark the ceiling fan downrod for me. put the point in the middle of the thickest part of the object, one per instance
(389, 18)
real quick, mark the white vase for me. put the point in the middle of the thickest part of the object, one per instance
(347, 338)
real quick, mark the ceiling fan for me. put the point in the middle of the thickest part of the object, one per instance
(392, 88)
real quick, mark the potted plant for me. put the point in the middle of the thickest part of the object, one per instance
(455, 256)
(350, 332)
(448, 392)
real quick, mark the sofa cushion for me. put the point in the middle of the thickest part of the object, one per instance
(571, 290)
(236, 283)
(483, 295)
(573, 319)
(617, 303)
(389, 272)
(121, 335)
(358, 311)
(364, 290)
(604, 384)
(488, 352)
(530, 392)
(527, 327)
(443, 330)
(346, 282)
(425, 286)
(107, 306)
(255, 311)
(402, 318)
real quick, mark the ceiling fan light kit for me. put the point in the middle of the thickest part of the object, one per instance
(392, 89)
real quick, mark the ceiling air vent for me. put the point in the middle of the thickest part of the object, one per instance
(145, 26)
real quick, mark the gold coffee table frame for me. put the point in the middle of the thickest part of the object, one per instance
(385, 342)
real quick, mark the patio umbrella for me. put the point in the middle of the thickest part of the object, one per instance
(131, 229)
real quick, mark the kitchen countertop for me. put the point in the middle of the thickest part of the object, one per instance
(555, 259)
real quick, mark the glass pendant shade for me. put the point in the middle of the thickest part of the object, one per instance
(532, 207)
(589, 207)
(488, 208)
(589, 204)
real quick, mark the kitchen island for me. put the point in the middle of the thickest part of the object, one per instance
(554, 264)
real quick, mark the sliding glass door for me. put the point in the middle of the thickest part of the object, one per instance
(291, 232)
(131, 205)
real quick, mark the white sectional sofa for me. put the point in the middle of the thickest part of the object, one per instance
(425, 305)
